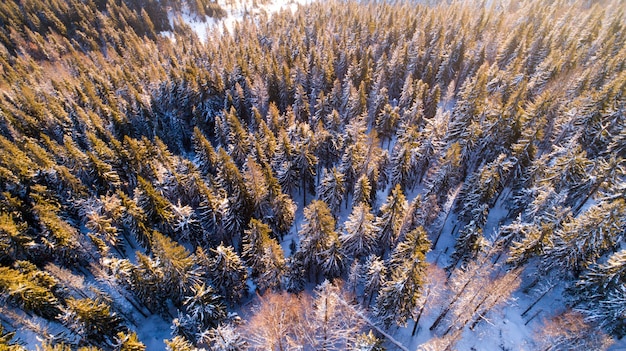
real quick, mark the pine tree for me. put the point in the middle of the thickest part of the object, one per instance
(362, 191)
(30, 289)
(333, 263)
(390, 219)
(375, 277)
(156, 207)
(386, 121)
(6, 342)
(264, 255)
(238, 138)
(367, 342)
(331, 189)
(273, 267)
(92, 320)
(402, 166)
(582, 240)
(224, 337)
(144, 279)
(179, 343)
(185, 224)
(469, 243)
(305, 163)
(257, 187)
(227, 273)
(359, 238)
(14, 241)
(206, 156)
(399, 296)
(482, 188)
(180, 272)
(326, 145)
(600, 294)
(317, 235)
(236, 209)
(128, 342)
(415, 245)
(294, 279)
(204, 307)
(284, 209)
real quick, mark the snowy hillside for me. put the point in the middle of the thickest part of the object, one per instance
(236, 10)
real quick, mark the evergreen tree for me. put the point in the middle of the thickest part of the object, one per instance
(331, 189)
(362, 191)
(179, 343)
(227, 273)
(156, 207)
(294, 280)
(375, 277)
(128, 342)
(257, 187)
(469, 243)
(305, 163)
(236, 210)
(224, 337)
(415, 245)
(14, 240)
(402, 166)
(390, 219)
(204, 307)
(359, 238)
(582, 240)
(317, 236)
(206, 156)
(30, 289)
(386, 121)
(238, 138)
(92, 320)
(6, 342)
(178, 266)
(263, 255)
(600, 293)
(399, 296)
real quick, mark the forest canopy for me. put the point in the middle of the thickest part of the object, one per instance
(367, 164)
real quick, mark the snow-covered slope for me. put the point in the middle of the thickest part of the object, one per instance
(236, 10)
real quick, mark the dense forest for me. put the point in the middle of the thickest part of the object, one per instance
(347, 176)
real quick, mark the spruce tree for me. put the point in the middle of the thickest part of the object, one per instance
(317, 236)
(359, 237)
(390, 218)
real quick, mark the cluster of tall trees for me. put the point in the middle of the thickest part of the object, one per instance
(167, 172)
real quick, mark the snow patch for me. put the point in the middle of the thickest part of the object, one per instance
(236, 11)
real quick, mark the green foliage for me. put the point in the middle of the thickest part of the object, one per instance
(318, 238)
(390, 219)
(178, 266)
(29, 288)
(179, 343)
(6, 343)
(128, 342)
(227, 272)
(91, 319)
(113, 135)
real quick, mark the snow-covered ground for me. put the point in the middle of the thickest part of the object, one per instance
(236, 10)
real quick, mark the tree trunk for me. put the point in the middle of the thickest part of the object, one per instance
(415, 326)
(536, 301)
